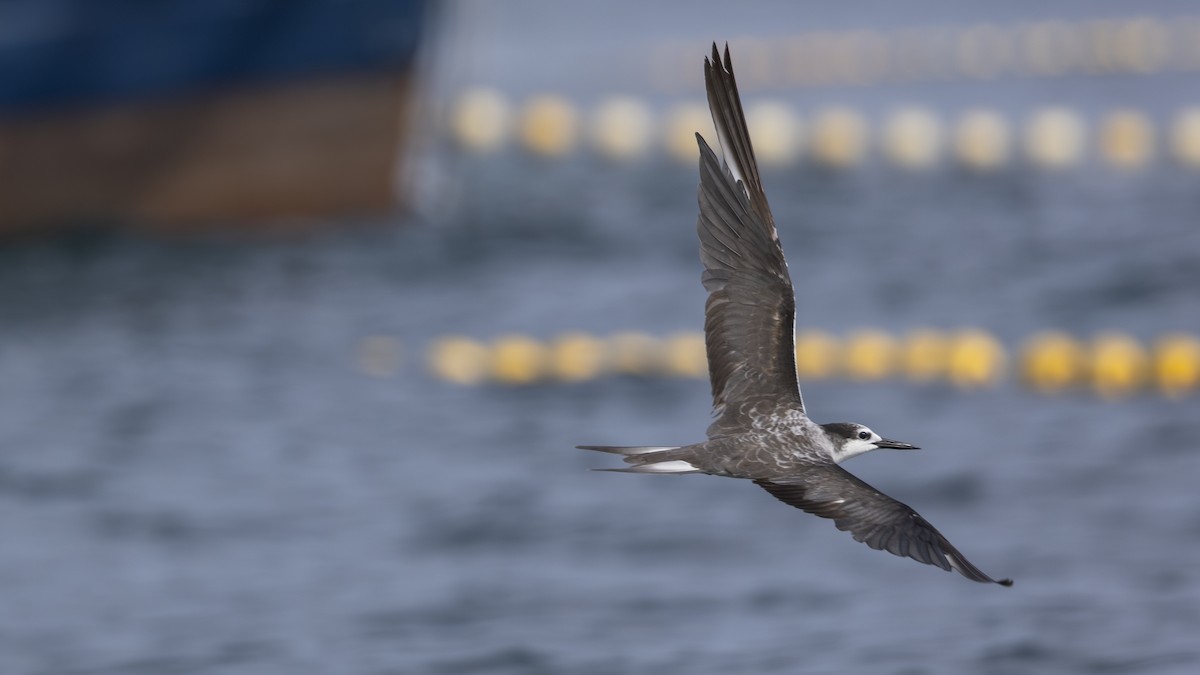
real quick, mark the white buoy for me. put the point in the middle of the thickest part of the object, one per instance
(1054, 138)
(839, 137)
(621, 128)
(1100, 45)
(681, 125)
(752, 58)
(984, 51)
(776, 132)
(481, 120)
(861, 57)
(912, 138)
(805, 60)
(1052, 48)
(1141, 45)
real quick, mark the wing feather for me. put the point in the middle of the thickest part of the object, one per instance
(750, 314)
(871, 517)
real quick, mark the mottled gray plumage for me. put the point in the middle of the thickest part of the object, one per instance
(761, 430)
(750, 315)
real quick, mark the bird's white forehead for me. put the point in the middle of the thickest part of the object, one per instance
(854, 446)
(874, 436)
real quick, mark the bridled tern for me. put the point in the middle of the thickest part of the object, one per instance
(761, 430)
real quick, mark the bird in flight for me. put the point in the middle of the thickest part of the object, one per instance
(761, 431)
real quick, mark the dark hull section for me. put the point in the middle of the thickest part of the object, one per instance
(198, 114)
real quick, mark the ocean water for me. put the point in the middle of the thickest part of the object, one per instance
(195, 476)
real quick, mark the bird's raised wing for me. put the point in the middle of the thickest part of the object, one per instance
(750, 315)
(872, 517)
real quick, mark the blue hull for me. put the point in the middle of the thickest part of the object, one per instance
(56, 53)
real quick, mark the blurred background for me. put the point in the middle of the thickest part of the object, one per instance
(303, 306)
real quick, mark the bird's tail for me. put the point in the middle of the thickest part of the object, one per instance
(629, 449)
(648, 458)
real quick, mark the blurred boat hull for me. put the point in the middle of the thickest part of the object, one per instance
(302, 128)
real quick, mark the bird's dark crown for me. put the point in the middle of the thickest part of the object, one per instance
(846, 430)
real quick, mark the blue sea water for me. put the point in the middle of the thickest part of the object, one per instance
(196, 477)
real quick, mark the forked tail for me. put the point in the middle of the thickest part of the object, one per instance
(648, 458)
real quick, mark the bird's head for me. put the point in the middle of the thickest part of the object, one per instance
(850, 439)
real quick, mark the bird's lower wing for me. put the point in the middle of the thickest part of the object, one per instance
(872, 517)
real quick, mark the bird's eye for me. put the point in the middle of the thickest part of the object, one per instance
(864, 435)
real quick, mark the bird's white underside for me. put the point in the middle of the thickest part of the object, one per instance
(674, 466)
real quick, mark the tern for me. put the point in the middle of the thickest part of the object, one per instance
(761, 431)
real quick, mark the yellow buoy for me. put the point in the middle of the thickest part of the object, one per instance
(1177, 364)
(481, 120)
(684, 355)
(1054, 138)
(634, 354)
(818, 355)
(379, 356)
(1127, 139)
(549, 126)
(839, 137)
(517, 359)
(459, 360)
(912, 138)
(976, 359)
(981, 140)
(1185, 137)
(682, 124)
(870, 355)
(776, 133)
(576, 356)
(622, 128)
(925, 355)
(1052, 361)
(1119, 365)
